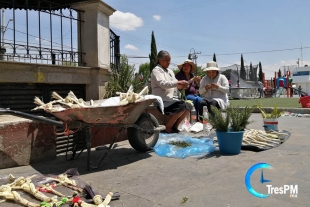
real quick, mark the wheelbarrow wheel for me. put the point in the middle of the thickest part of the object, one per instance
(143, 141)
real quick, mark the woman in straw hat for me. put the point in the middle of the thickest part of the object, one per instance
(186, 73)
(163, 84)
(213, 89)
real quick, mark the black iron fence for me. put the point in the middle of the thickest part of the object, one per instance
(45, 32)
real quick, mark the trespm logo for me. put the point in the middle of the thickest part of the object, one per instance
(292, 190)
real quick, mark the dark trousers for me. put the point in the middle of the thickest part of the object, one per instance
(208, 104)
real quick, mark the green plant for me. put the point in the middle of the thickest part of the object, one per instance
(239, 117)
(219, 121)
(184, 200)
(235, 118)
(120, 80)
(275, 113)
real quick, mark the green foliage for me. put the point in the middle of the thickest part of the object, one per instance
(153, 55)
(235, 118)
(242, 69)
(251, 75)
(199, 72)
(181, 144)
(239, 117)
(275, 113)
(219, 121)
(279, 74)
(260, 72)
(120, 82)
(183, 94)
(142, 77)
(184, 200)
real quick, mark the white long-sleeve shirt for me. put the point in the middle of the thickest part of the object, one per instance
(219, 94)
(163, 83)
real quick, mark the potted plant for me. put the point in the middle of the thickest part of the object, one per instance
(229, 127)
(270, 119)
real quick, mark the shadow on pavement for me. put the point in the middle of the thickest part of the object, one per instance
(114, 159)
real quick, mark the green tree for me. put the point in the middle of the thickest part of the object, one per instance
(120, 82)
(260, 72)
(251, 75)
(242, 69)
(279, 73)
(153, 55)
(214, 57)
(142, 77)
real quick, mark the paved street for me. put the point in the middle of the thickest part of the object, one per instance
(145, 179)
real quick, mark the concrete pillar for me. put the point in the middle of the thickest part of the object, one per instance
(94, 33)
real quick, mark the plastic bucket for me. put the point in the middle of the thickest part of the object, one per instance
(230, 142)
(270, 124)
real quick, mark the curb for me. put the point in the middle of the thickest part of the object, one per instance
(291, 110)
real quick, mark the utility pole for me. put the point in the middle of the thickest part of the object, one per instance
(3, 30)
(297, 62)
(193, 55)
(2, 26)
(2, 49)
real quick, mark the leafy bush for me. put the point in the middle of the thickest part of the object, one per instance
(235, 118)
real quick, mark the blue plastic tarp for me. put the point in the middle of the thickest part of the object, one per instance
(199, 147)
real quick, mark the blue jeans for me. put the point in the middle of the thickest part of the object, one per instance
(196, 100)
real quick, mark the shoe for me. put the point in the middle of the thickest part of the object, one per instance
(175, 130)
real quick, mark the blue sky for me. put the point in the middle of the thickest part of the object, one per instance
(224, 27)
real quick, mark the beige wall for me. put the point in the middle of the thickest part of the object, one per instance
(93, 78)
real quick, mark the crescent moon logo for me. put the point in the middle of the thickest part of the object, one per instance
(248, 179)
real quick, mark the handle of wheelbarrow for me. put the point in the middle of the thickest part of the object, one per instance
(30, 116)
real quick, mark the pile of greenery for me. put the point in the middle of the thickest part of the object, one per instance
(181, 144)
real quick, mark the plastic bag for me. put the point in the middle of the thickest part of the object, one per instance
(199, 147)
(197, 127)
(185, 125)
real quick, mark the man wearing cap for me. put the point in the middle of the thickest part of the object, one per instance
(213, 89)
(186, 73)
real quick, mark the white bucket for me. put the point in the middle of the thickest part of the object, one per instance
(270, 124)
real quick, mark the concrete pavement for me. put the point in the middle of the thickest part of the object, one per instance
(145, 179)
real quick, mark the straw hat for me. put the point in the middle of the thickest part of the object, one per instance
(189, 62)
(211, 66)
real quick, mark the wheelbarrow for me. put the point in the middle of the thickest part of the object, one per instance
(142, 128)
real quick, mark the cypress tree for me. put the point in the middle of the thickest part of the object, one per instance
(260, 72)
(214, 57)
(251, 75)
(242, 69)
(279, 73)
(153, 55)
